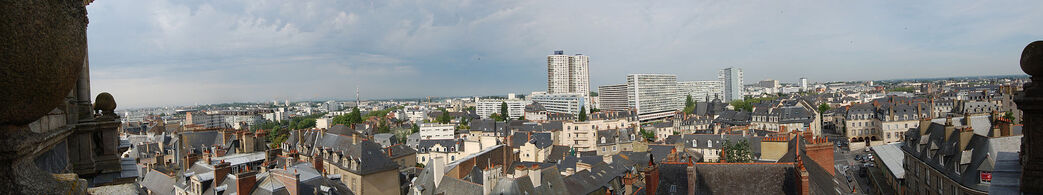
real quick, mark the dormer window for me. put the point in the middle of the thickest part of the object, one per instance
(985, 177)
(602, 139)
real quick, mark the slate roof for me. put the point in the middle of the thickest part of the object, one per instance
(158, 183)
(958, 164)
(369, 154)
(714, 178)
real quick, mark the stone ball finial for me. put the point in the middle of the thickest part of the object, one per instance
(105, 103)
(1032, 59)
(44, 48)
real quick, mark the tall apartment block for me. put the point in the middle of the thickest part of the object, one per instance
(732, 80)
(568, 74)
(653, 96)
(613, 97)
(702, 91)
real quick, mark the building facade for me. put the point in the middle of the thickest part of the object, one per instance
(613, 97)
(567, 103)
(430, 131)
(568, 74)
(654, 96)
(732, 80)
(702, 91)
(515, 108)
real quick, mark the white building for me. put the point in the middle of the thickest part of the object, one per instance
(803, 84)
(568, 74)
(732, 80)
(703, 91)
(653, 96)
(333, 106)
(613, 97)
(429, 131)
(568, 103)
(485, 108)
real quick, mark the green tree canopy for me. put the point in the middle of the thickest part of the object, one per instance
(582, 113)
(822, 108)
(444, 118)
(737, 152)
(504, 112)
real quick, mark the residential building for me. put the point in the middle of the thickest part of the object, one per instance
(568, 74)
(732, 80)
(702, 91)
(654, 96)
(515, 108)
(430, 131)
(613, 97)
(803, 84)
(768, 83)
(957, 157)
(582, 135)
(567, 103)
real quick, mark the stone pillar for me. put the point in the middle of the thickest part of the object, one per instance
(1031, 103)
(83, 91)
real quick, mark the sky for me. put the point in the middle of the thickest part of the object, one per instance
(186, 52)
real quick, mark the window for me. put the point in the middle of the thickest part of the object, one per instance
(985, 177)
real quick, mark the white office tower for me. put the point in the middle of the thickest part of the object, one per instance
(701, 91)
(613, 97)
(732, 80)
(568, 74)
(803, 84)
(653, 96)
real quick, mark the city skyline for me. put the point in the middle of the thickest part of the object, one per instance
(157, 53)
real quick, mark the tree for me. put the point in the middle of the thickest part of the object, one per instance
(689, 105)
(355, 116)
(503, 111)
(1009, 116)
(823, 108)
(737, 152)
(496, 117)
(416, 129)
(593, 94)
(444, 118)
(648, 135)
(521, 118)
(582, 113)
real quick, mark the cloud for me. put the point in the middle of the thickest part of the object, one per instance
(167, 52)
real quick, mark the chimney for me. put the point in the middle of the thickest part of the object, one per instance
(245, 182)
(438, 167)
(520, 171)
(535, 175)
(967, 119)
(354, 138)
(804, 184)
(317, 163)
(207, 155)
(965, 137)
(924, 125)
(189, 160)
(221, 171)
(289, 179)
(949, 128)
(490, 176)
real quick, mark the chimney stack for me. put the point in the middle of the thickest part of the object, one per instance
(221, 171)
(318, 164)
(245, 182)
(289, 179)
(949, 128)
